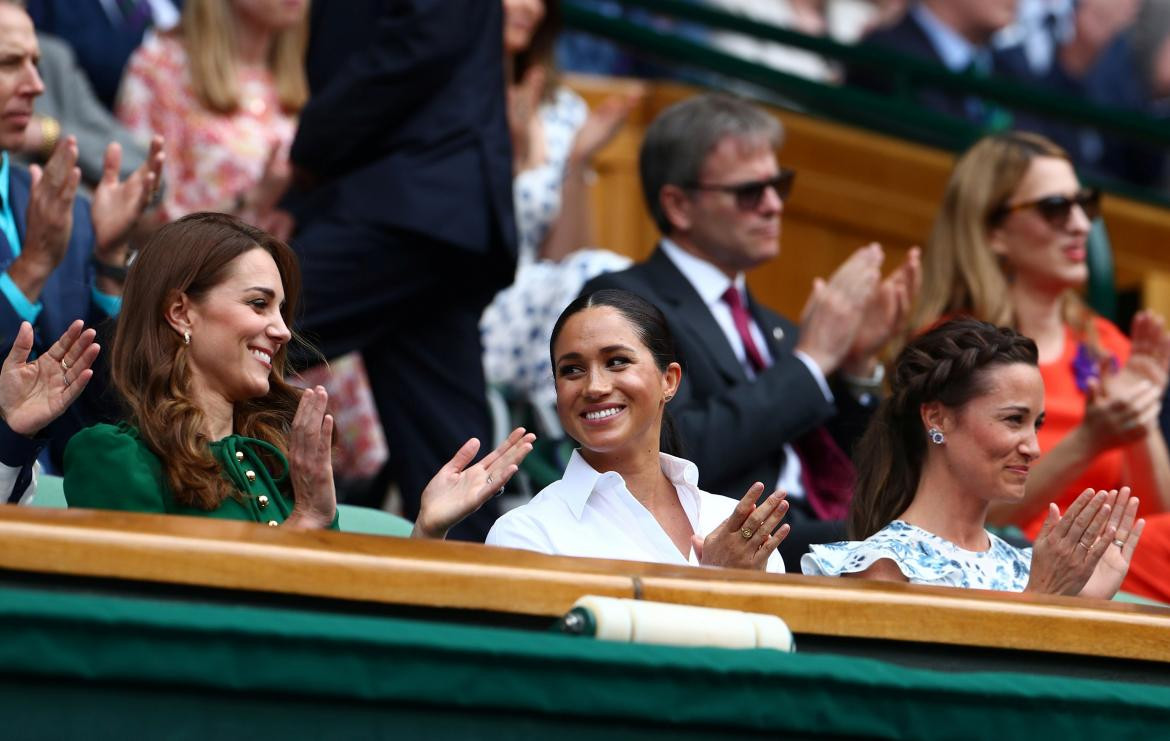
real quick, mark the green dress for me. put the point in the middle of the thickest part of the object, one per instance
(110, 467)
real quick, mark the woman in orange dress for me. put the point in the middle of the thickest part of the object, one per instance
(1009, 247)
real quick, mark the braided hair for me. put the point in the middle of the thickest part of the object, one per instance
(948, 365)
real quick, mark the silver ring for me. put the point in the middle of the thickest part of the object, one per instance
(66, 378)
(489, 479)
(1119, 543)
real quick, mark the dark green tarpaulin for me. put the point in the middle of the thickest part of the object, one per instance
(75, 665)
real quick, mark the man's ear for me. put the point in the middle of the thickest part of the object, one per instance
(178, 312)
(676, 204)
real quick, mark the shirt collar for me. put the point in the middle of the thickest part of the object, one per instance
(581, 480)
(957, 52)
(3, 178)
(708, 281)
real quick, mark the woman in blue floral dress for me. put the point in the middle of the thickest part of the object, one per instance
(958, 433)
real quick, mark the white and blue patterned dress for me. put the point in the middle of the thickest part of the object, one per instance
(925, 558)
(517, 325)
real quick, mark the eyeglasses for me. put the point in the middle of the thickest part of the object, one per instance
(749, 195)
(1057, 210)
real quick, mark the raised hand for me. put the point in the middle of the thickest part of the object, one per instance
(118, 204)
(49, 218)
(1068, 548)
(33, 394)
(748, 536)
(1149, 357)
(310, 461)
(833, 314)
(886, 314)
(523, 123)
(1119, 416)
(1114, 563)
(457, 489)
(602, 125)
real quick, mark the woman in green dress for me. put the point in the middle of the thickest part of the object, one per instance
(199, 356)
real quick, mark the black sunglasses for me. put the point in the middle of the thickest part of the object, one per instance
(749, 195)
(1056, 210)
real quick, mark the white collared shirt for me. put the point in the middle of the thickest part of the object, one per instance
(711, 283)
(594, 515)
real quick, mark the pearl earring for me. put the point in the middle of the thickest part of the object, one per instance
(936, 436)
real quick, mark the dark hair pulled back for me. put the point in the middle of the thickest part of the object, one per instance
(946, 364)
(650, 324)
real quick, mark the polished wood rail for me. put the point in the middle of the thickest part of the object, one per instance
(853, 187)
(243, 556)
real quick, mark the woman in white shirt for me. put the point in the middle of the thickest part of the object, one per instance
(623, 495)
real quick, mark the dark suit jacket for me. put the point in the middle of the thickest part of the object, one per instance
(908, 37)
(102, 46)
(734, 428)
(406, 126)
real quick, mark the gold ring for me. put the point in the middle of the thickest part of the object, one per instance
(64, 365)
(1086, 547)
(747, 533)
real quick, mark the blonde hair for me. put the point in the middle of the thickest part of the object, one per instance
(961, 273)
(206, 32)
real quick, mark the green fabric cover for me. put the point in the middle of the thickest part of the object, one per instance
(354, 519)
(100, 666)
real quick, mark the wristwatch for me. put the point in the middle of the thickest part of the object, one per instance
(113, 272)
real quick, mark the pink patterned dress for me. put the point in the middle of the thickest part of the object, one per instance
(211, 157)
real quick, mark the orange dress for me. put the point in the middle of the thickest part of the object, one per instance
(1064, 406)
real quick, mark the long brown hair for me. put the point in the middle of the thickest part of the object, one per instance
(149, 360)
(960, 272)
(946, 364)
(206, 31)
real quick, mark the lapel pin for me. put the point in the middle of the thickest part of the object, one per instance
(778, 333)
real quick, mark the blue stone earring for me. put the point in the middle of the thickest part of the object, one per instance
(936, 436)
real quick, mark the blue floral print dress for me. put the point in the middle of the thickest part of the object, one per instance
(925, 558)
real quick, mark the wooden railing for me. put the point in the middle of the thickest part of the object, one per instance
(194, 552)
(853, 187)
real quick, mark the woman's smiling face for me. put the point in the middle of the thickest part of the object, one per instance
(610, 390)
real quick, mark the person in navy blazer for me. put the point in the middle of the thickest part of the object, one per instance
(714, 187)
(62, 257)
(403, 167)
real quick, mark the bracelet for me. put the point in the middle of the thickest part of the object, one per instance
(870, 384)
(50, 135)
(113, 272)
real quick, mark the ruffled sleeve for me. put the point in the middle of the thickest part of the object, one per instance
(917, 560)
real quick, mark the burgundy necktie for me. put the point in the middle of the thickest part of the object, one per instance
(826, 472)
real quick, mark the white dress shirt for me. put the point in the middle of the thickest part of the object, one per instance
(711, 283)
(594, 515)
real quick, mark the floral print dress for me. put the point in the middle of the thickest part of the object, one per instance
(925, 558)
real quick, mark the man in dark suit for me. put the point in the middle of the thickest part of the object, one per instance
(761, 399)
(406, 224)
(61, 257)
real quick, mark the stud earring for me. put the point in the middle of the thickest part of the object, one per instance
(668, 397)
(186, 337)
(936, 436)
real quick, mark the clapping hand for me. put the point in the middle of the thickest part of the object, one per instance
(310, 458)
(1114, 563)
(50, 207)
(118, 204)
(33, 394)
(458, 489)
(748, 537)
(602, 125)
(1149, 356)
(886, 314)
(1068, 548)
(834, 312)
